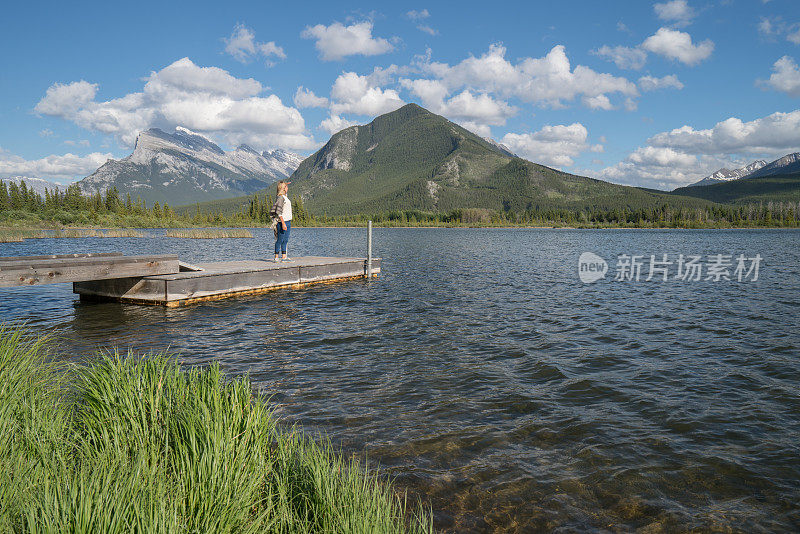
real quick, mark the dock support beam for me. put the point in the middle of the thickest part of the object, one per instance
(369, 250)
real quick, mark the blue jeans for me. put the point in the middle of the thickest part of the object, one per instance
(283, 238)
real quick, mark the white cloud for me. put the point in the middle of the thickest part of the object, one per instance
(623, 57)
(549, 80)
(418, 15)
(684, 155)
(66, 166)
(47, 132)
(678, 45)
(552, 145)
(305, 98)
(335, 123)
(677, 12)
(428, 30)
(774, 27)
(662, 168)
(785, 77)
(242, 46)
(479, 111)
(66, 98)
(651, 83)
(361, 95)
(775, 133)
(338, 41)
(482, 130)
(205, 99)
(766, 27)
(597, 102)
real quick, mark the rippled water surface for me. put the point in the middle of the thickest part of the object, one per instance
(483, 375)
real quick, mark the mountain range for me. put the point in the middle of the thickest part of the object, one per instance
(786, 165)
(185, 167)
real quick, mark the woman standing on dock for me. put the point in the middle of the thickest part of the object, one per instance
(282, 211)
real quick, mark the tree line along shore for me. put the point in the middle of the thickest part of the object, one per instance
(21, 207)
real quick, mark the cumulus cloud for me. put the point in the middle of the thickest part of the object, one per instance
(785, 77)
(597, 102)
(552, 145)
(242, 46)
(651, 83)
(66, 98)
(623, 57)
(335, 123)
(205, 99)
(677, 45)
(677, 12)
(477, 110)
(338, 41)
(65, 166)
(305, 98)
(362, 95)
(661, 168)
(775, 133)
(47, 132)
(684, 155)
(549, 80)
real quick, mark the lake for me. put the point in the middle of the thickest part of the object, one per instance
(488, 380)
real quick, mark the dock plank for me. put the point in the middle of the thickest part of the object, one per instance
(25, 271)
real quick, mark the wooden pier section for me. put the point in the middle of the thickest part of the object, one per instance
(162, 280)
(212, 281)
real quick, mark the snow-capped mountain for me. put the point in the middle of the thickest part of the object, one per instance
(787, 164)
(37, 184)
(726, 175)
(186, 167)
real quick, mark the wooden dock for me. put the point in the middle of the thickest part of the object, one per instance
(212, 281)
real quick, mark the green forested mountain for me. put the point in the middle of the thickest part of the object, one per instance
(411, 159)
(780, 188)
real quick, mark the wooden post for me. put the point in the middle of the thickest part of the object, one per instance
(369, 250)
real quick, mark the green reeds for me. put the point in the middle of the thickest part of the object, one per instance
(136, 444)
(209, 233)
(122, 232)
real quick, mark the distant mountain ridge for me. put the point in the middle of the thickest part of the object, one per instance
(724, 174)
(788, 164)
(186, 167)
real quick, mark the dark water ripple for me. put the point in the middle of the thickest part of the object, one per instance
(488, 380)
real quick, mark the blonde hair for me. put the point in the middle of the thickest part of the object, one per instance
(282, 186)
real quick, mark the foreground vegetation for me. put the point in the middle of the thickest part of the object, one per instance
(128, 444)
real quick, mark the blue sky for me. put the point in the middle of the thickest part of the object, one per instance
(657, 94)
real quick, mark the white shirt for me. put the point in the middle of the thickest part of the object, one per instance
(287, 208)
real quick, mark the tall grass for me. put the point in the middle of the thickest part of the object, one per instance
(122, 232)
(129, 444)
(209, 233)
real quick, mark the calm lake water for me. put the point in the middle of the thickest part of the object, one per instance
(482, 374)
